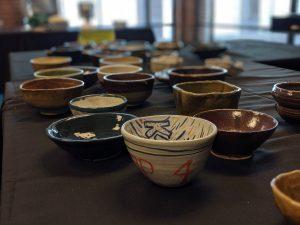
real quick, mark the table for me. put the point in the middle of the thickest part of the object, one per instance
(41, 184)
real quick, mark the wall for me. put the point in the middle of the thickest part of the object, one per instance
(10, 13)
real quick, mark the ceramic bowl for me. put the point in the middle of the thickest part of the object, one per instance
(196, 73)
(136, 87)
(90, 137)
(68, 51)
(199, 96)
(131, 60)
(288, 114)
(286, 191)
(287, 94)
(165, 62)
(89, 75)
(51, 96)
(240, 132)
(168, 45)
(117, 69)
(205, 51)
(64, 72)
(97, 103)
(50, 62)
(169, 149)
(96, 55)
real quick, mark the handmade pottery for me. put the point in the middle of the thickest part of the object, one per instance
(50, 62)
(171, 45)
(234, 67)
(51, 96)
(195, 97)
(117, 69)
(63, 72)
(165, 62)
(288, 114)
(169, 149)
(96, 55)
(196, 73)
(131, 60)
(90, 137)
(68, 51)
(287, 94)
(136, 87)
(240, 132)
(212, 50)
(97, 103)
(286, 191)
(89, 75)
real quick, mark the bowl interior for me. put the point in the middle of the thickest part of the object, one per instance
(92, 127)
(290, 86)
(289, 184)
(119, 69)
(239, 120)
(128, 77)
(170, 128)
(189, 71)
(51, 60)
(58, 72)
(207, 87)
(48, 84)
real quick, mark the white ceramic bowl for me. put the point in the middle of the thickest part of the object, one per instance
(117, 69)
(169, 149)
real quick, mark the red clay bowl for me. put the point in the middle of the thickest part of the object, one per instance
(287, 94)
(196, 73)
(240, 132)
(136, 87)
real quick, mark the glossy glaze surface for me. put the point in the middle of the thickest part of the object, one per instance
(288, 114)
(240, 132)
(287, 94)
(195, 97)
(286, 190)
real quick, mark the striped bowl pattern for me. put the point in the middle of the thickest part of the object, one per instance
(169, 149)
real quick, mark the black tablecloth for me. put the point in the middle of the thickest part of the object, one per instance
(41, 184)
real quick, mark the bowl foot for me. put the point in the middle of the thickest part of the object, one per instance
(231, 157)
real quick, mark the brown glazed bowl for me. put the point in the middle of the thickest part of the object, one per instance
(287, 94)
(50, 62)
(240, 132)
(286, 191)
(51, 95)
(196, 73)
(288, 114)
(136, 87)
(199, 96)
(131, 60)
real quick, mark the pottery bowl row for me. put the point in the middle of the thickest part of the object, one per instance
(169, 149)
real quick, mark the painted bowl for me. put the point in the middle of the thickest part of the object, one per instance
(96, 55)
(169, 149)
(136, 87)
(64, 72)
(67, 51)
(196, 73)
(288, 114)
(117, 69)
(89, 75)
(131, 60)
(286, 191)
(199, 96)
(287, 94)
(240, 132)
(50, 62)
(51, 96)
(90, 137)
(97, 103)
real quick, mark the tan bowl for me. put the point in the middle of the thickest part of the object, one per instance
(117, 69)
(158, 65)
(195, 97)
(51, 95)
(131, 60)
(50, 62)
(286, 190)
(62, 72)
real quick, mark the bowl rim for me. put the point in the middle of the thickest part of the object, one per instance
(284, 90)
(169, 142)
(137, 68)
(247, 110)
(64, 59)
(68, 140)
(108, 77)
(279, 192)
(80, 84)
(236, 88)
(76, 72)
(123, 104)
(133, 60)
(94, 68)
(221, 71)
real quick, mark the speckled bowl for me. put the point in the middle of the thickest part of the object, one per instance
(50, 62)
(90, 137)
(95, 104)
(240, 132)
(195, 97)
(286, 191)
(169, 149)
